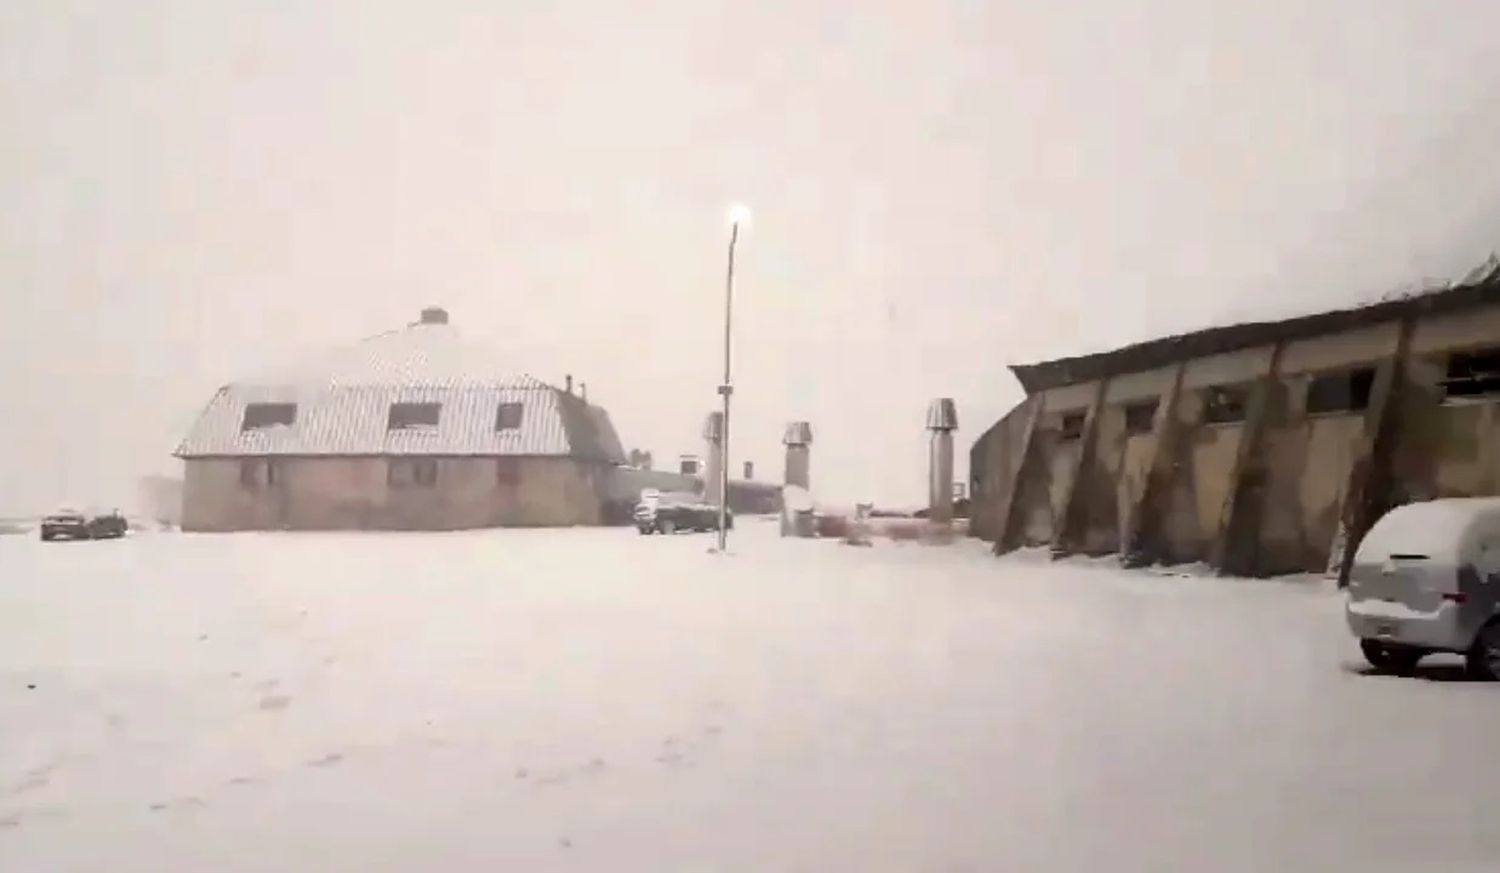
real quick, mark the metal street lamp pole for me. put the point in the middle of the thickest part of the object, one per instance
(725, 390)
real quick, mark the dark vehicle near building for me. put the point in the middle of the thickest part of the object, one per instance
(73, 525)
(670, 513)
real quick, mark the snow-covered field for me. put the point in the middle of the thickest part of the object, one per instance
(597, 700)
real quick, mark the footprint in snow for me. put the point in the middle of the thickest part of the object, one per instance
(327, 760)
(274, 702)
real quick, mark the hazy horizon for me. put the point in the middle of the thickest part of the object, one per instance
(195, 193)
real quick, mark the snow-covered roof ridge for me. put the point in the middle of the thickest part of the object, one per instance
(420, 353)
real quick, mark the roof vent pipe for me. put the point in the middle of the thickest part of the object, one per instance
(568, 383)
(434, 315)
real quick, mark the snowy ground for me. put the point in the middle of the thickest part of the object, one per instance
(598, 700)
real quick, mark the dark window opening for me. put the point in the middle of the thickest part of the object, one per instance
(507, 471)
(407, 416)
(1473, 374)
(259, 473)
(412, 472)
(1224, 404)
(260, 415)
(1340, 392)
(1140, 417)
(1072, 426)
(508, 416)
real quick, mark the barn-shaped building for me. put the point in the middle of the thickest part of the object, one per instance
(414, 429)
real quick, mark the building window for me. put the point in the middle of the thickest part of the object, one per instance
(507, 471)
(1072, 426)
(263, 415)
(1140, 417)
(1225, 404)
(1340, 392)
(414, 416)
(508, 416)
(1473, 374)
(412, 473)
(259, 473)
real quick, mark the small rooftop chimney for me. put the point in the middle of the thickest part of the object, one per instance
(583, 391)
(434, 315)
(749, 470)
(568, 383)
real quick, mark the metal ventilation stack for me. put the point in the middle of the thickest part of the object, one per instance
(796, 501)
(942, 421)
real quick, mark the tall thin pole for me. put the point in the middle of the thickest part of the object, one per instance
(725, 390)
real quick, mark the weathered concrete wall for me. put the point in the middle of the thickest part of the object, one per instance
(1442, 450)
(1031, 521)
(1339, 351)
(1122, 460)
(1230, 368)
(1147, 385)
(1130, 487)
(994, 463)
(353, 493)
(1098, 488)
(1456, 330)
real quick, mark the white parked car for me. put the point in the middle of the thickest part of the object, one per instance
(1426, 578)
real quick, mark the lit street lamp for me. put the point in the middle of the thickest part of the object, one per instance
(739, 214)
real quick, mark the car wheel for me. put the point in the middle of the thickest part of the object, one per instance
(1390, 659)
(1483, 660)
(645, 531)
(667, 526)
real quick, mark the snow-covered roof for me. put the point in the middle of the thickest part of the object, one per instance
(343, 406)
(1439, 529)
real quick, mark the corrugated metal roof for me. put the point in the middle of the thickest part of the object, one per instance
(343, 404)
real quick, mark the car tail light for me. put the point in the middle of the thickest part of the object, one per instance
(1456, 596)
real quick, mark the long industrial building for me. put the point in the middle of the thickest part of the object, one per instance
(1259, 448)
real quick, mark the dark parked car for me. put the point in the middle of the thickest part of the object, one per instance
(669, 513)
(72, 525)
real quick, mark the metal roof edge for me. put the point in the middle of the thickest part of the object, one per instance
(1150, 354)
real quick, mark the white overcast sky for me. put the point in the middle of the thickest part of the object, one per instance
(195, 191)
